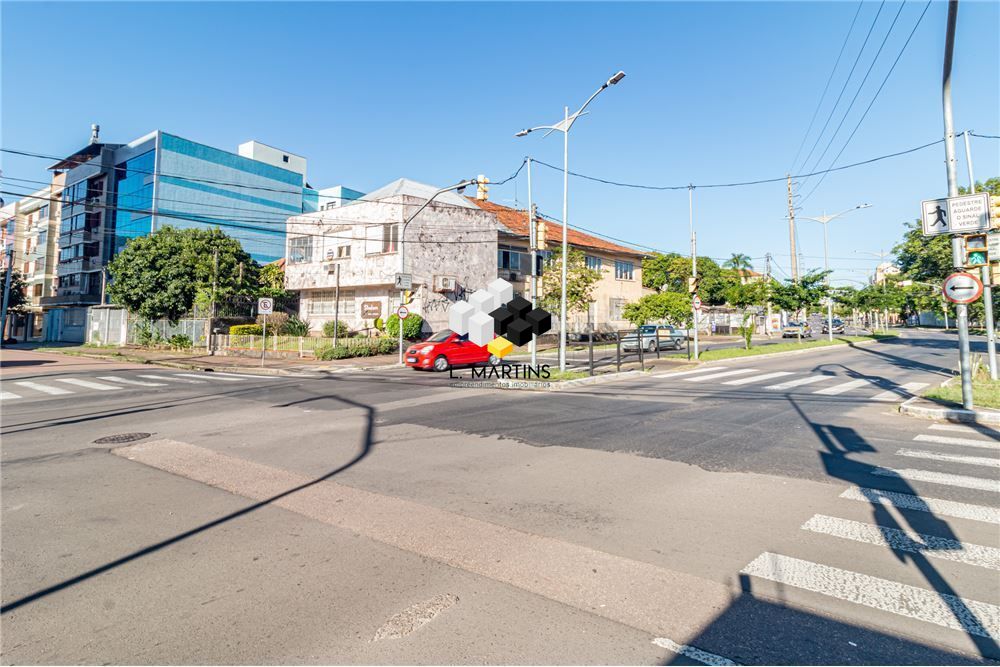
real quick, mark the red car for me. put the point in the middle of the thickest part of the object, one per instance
(446, 349)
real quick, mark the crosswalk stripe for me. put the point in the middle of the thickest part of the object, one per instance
(713, 376)
(949, 611)
(683, 373)
(965, 442)
(694, 653)
(170, 378)
(906, 501)
(950, 458)
(942, 478)
(44, 388)
(842, 388)
(902, 391)
(8, 395)
(758, 378)
(799, 382)
(88, 384)
(129, 381)
(244, 376)
(968, 429)
(900, 540)
(211, 376)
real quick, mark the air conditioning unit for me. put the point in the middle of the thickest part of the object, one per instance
(445, 283)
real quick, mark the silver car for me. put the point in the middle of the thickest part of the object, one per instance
(669, 338)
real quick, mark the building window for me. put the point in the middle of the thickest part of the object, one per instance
(624, 270)
(43, 213)
(509, 259)
(321, 302)
(284, 158)
(300, 249)
(390, 238)
(593, 262)
(615, 308)
(69, 281)
(343, 251)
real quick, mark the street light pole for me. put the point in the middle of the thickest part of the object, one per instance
(402, 246)
(564, 126)
(533, 242)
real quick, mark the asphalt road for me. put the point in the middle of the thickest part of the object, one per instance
(761, 511)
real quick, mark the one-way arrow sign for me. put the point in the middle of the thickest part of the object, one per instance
(962, 288)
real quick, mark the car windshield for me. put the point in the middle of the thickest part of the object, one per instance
(647, 329)
(440, 336)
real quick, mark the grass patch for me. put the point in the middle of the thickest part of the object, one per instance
(733, 352)
(985, 392)
(561, 376)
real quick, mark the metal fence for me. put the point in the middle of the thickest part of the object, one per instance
(295, 346)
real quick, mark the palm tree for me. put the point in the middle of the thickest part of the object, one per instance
(739, 262)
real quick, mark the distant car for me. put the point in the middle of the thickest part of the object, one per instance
(838, 326)
(446, 349)
(796, 329)
(669, 338)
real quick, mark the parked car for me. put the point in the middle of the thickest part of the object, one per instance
(796, 329)
(669, 337)
(447, 349)
(838, 326)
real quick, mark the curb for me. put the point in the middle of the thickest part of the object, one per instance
(241, 370)
(811, 350)
(510, 385)
(911, 408)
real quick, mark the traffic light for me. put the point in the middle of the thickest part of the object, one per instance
(540, 233)
(994, 212)
(692, 284)
(407, 297)
(976, 253)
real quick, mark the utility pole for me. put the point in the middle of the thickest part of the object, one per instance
(533, 245)
(767, 278)
(211, 312)
(961, 309)
(791, 232)
(694, 267)
(6, 292)
(991, 334)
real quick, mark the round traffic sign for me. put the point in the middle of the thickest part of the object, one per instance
(696, 302)
(962, 288)
(403, 312)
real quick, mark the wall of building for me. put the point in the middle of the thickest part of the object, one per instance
(273, 156)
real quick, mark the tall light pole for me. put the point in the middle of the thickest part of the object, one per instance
(402, 245)
(825, 220)
(564, 126)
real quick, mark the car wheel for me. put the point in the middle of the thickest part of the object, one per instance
(493, 360)
(652, 346)
(441, 363)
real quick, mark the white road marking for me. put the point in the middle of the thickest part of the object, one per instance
(44, 388)
(949, 611)
(683, 373)
(704, 657)
(88, 384)
(900, 392)
(171, 378)
(7, 395)
(211, 376)
(965, 442)
(941, 478)
(906, 501)
(968, 429)
(758, 378)
(842, 387)
(713, 376)
(801, 381)
(249, 375)
(951, 458)
(900, 540)
(129, 381)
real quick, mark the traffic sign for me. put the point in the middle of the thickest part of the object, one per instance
(265, 305)
(404, 281)
(696, 302)
(403, 312)
(962, 288)
(956, 215)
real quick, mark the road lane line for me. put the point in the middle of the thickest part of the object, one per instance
(900, 392)
(949, 611)
(799, 382)
(900, 540)
(250, 375)
(758, 378)
(906, 501)
(942, 478)
(8, 395)
(965, 442)
(210, 376)
(683, 373)
(704, 657)
(950, 458)
(967, 429)
(842, 388)
(88, 384)
(44, 388)
(129, 381)
(171, 378)
(713, 376)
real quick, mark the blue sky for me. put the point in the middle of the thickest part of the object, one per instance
(716, 92)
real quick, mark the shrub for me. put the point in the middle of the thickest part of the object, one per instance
(180, 342)
(275, 322)
(368, 348)
(246, 330)
(379, 324)
(412, 326)
(336, 326)
(329, 352)
(296, 327)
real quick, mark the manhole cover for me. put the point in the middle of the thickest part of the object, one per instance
(121, 438)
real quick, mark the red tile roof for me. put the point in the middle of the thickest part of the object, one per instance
(516, 222)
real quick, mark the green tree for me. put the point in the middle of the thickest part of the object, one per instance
(163, 274)
(796, 296)
(738, 262)
(18, 298)
(748, 296)
(667, 307)
(991, 186)
(670, 272)
(581, 282)
(272, 280)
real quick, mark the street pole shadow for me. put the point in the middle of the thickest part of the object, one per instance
(368, 443)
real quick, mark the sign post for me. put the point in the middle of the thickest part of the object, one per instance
(265, 306)
(956, 215)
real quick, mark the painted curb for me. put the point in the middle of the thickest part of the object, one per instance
(910, 408)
